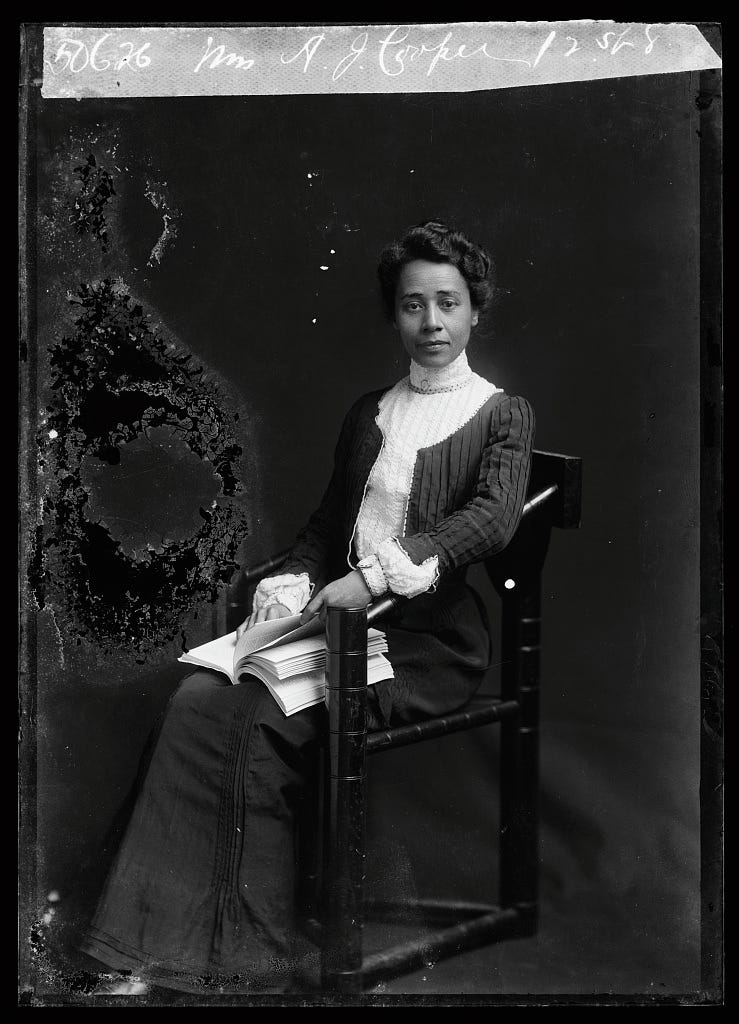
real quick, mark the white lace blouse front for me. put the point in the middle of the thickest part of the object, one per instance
(421, 410)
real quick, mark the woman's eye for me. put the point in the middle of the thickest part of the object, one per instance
(413, 307)
(448, 304)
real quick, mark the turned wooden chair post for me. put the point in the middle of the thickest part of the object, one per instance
(516, 574)
(519, 738)
(346, 699)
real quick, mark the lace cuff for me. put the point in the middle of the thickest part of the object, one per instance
(403, 576)
(288, 589)
(374, 577)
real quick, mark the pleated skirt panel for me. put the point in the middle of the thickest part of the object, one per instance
(202, 891)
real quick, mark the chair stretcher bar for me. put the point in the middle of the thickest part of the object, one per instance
(497, 924)
(489, 710)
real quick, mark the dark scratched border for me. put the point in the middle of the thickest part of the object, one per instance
(31, 62)
(708, 101)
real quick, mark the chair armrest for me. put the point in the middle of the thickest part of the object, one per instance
(254, 573)
(382, 606)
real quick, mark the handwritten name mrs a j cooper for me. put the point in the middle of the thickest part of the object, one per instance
(394, 53)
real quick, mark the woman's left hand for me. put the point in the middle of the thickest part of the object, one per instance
(349, 592)
(275, 611)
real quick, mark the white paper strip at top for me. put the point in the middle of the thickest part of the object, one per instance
(112, 61)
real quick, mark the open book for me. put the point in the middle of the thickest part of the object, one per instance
(290, 659)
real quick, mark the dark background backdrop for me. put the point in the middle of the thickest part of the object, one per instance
(587, 196)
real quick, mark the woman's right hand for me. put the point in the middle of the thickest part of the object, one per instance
(275, 611)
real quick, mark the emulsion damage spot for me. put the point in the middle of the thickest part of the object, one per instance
(151, 494)
(88, 206)
(115, 382)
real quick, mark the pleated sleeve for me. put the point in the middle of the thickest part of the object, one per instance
(485, 525)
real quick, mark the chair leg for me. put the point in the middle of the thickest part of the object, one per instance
(519, 839)
(310, 848)
(346, 686)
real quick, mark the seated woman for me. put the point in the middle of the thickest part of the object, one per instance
(430, 476)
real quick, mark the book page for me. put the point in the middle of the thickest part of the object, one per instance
(273, 632)
(308, 688)
(292, 650)
(279, 642)
(217, 654)
(297, 644)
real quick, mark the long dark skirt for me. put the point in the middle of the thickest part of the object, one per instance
(201, 892)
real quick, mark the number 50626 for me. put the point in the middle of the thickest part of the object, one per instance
(76, 56)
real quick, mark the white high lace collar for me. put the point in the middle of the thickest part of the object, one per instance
(409, 421)
(429, 380)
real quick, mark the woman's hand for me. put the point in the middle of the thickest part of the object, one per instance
(349, 592)
(275, 611)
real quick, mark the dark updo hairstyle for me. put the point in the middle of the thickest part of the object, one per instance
(438, 243)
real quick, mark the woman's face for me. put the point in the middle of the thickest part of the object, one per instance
(433, 312)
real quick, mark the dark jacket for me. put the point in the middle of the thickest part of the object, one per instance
(466, 499)
(465, 502)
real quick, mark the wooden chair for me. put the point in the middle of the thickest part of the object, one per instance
(332, 890)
